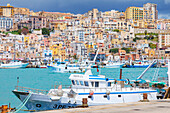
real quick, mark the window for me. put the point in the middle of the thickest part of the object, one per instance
(81, 82)
(109, 84)
(86, 83)
(77, 82)
(92, 84)
(73, 82)
(96, 84)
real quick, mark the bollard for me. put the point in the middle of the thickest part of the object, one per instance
(84, 102)
(145, 98)
(4, 109)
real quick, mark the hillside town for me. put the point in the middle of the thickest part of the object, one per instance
(136, 34)
(110, 55)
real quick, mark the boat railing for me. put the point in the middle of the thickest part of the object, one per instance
(113, 88)
(26, 89)
(63, 86)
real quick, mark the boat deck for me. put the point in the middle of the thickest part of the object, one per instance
(158, 106)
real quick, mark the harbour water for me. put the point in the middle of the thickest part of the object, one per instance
(44, 79)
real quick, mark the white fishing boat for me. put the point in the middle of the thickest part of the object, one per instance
(140, 64)
(14, 64)
(62, 67)
(112, 64)
(98, 89)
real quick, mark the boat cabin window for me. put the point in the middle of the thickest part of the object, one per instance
(73, 82)
(86, 83)
(77, 82)
(81, 82)
(109, 84)
(96, 84)
(92, 84)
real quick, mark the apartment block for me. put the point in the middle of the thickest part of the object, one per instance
(164, 39)
(6, 11)
(6, 23)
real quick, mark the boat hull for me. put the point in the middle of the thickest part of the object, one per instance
(23, 65)
(66, 70)
(139, 66)
(39, 102)
(114, 66)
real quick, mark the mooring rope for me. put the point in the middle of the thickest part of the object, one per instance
(23, 103)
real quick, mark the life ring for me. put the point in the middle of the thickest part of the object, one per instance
(127, 82)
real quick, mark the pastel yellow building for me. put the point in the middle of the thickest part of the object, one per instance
(99, 35)
(26, 41)
(24, 11)
(151, 53)
(144, 41)
(58, 52)
(134, 13)
(115, 41)
(58, 25)
(148, 13)
(6, 11)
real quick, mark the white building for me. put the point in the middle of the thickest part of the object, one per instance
(164, 39)
(6, 23)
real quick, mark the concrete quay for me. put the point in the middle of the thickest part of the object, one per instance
(158, 106)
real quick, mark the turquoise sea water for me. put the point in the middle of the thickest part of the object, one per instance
(44, 79)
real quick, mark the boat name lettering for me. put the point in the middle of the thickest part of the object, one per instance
(78, 76)
(61, 106)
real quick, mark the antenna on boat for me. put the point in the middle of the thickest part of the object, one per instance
(17, 81)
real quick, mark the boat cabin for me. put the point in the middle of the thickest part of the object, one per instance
(91, 81)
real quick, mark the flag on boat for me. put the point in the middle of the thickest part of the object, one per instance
(97, 69)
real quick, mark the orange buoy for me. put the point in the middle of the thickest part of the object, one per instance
(91, 93)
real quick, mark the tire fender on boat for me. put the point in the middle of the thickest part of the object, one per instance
(127, 82)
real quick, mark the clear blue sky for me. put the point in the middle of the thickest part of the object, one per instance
(82, 6)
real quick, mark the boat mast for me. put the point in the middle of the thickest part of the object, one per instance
(146, 70)
(88, 71)
(96, 55)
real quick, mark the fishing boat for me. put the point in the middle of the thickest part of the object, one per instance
(140, 64)
(43, 66)
(98, 89)
(62, 67)
(14, 64)
(113, 64)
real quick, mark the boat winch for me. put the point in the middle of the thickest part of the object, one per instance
(72, 94)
